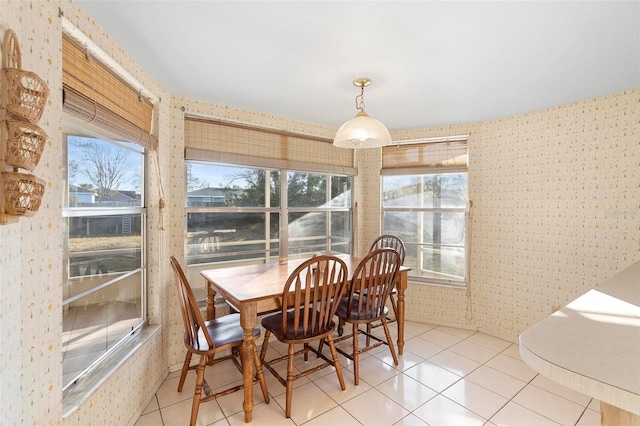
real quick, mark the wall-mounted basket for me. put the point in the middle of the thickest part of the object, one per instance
(22, 193)
(25, 143)
(25, 94)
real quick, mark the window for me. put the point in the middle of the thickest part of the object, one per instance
(319, 211)
(234, 213)
(104, 275)
(262, 195)
(107, 128)
(425, 202)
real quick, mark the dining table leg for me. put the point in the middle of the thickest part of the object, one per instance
(211, 308)
(248, 320)
(402, 286)
(211, 302)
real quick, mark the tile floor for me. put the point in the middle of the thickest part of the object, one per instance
(447, 376)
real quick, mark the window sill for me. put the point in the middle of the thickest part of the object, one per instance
(462, 286)
(76, 394)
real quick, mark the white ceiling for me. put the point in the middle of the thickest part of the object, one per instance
(432, 62)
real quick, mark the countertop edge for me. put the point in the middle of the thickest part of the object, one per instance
(606, 393)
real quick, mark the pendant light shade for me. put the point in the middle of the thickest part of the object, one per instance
(362, 131)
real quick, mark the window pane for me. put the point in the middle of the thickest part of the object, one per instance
(94, 323)
(443, 227)
(306, 189)
(340, 191)
(307, 232)
(400, 191)
(213, 185)
(104, 174)
(448, 190)
(440, 262)
(99, 245)
(341, 232)
(403, 224)
(230, 236)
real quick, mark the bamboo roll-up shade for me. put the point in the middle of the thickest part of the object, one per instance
(95, 94)
(243, 145)
(421, 158)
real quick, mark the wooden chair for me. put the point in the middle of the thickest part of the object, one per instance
(397, 244)
(207, 339)
(306, 316)
(372, 282)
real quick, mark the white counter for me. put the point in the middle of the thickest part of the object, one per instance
(592, 345)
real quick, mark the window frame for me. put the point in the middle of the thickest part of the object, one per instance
(283, 210)
(72, 129)
(448, 156)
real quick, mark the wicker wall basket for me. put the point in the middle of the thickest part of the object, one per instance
(25, 143)
(22, 193)
(26, 94)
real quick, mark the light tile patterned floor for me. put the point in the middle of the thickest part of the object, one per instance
(447, 376)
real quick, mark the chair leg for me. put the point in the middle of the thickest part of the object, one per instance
(185, 369)
(394, 306)
(260, 374)
(336, 361)
(389, 341)
(265, 345)
(289, 380)
(197, 394)
(356, 353)
(320, 346)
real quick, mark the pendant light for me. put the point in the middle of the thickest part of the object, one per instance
(362, 131)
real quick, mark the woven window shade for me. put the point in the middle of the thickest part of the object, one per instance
(231, 143)
(423, 158)
(95, 94)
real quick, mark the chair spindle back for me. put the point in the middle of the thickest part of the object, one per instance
(312, 289)
(194, 325)
(372, 282)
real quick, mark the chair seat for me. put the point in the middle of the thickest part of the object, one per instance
(344, 313)
(223, 331)
(273, 323)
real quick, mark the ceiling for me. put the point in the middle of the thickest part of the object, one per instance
(432, 63)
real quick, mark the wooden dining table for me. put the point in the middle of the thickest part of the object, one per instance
(256, 289)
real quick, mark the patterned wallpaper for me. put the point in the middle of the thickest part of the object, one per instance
(30, 263)
(556, 195)
(556, 198)
(30, 274)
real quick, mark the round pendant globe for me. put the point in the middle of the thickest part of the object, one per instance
(362, 131)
